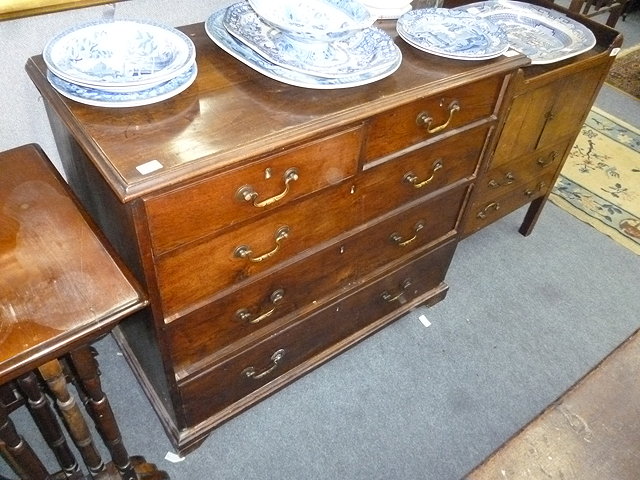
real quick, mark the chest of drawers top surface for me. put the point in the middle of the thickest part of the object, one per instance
(232, 113)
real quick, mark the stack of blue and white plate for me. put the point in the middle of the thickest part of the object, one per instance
(120, 63)
(308, 43)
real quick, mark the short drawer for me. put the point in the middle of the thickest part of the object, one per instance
(422, 119)
(199, 209)
(523, 170)
(209, 392)
(191, 274)
(388, 185)
(489, 209)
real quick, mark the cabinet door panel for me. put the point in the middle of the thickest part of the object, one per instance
(573, 101)
(524, 124)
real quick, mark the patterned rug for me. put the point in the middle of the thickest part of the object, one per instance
(625, 72)
(600, 181)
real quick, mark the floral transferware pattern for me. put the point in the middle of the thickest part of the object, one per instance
(600, 182)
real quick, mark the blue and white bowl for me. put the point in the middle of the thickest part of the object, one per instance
(315, 20)
(119, 53)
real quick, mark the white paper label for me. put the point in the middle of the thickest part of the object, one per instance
(424, 321)
(173, 457)
(149, 167)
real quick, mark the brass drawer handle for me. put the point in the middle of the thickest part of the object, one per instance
(244, 315)
(543, 162)
(509, 178)
(389, 298)
(425, 120)
(398, 240)
(538, 188)
(276, 358)
(412, 179)
(483, 213)
(244, 251)
(248, 194)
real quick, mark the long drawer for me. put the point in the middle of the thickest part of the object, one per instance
(205, 394)
(261, 305)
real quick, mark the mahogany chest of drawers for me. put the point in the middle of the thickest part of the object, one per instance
(275, 226)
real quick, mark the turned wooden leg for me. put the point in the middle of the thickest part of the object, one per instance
(86, 372)
(23, 460)
(85, 369)
(47, 422)
(75, 422)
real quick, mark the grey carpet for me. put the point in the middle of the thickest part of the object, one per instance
(525, 318)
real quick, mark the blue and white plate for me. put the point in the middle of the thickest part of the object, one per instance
(214, 27)
(544, 35)
(101, 98)
(452, 34)
(365, 51)
(114, 53)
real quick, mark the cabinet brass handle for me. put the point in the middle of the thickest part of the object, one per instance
(538, 188)
(245, 315)
(398, 240)
(492, 206)
(390, 298)
(244, 251)
(412, 179)
(248, 194)
(425, 120)
(543, 162)
(509, 178)
(276, 358)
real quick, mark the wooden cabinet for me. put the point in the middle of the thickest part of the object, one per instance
(281, 225)
(547, 107)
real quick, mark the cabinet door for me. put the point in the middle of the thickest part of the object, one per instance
(573, 100)
(542, 116)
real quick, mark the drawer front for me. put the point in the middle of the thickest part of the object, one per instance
(211, 391)
(395, 182)
(422, 119)
(522, 171)
(194, 273)
(197, 210)
(409, 230)
(263, 303)
(483, 213)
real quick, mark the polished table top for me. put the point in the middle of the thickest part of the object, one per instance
(60, 286)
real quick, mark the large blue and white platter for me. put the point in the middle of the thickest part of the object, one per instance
(452, 34)
(542, 34)
(114, 53)
(365, 51)
(110, 99)
(214, 26)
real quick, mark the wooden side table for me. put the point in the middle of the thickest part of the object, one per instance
(60, 289)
